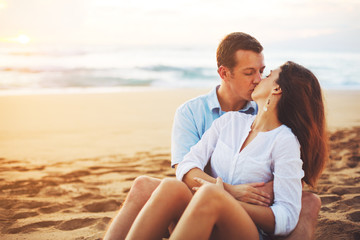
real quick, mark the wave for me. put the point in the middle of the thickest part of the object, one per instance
(116, 66)
(51, 77)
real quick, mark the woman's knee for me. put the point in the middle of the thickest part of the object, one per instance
(174, 188)
(210, 198)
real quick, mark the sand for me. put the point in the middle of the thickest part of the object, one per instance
(68, 160)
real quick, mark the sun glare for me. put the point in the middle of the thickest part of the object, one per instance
(2, 4)
(23, 39)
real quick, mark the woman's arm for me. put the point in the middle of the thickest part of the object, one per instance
(249, 193)
(287, 183)
(201, 152)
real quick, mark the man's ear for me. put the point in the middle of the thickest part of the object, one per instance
(277, 90)
(223, 72)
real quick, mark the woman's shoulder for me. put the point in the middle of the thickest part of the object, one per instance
(233, 120)
(235, 115)
(286, 131)
(286, 134)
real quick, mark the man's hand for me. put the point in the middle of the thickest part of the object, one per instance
(268, 188)
(250, 193)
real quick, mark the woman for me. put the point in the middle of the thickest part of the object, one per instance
(285, 142)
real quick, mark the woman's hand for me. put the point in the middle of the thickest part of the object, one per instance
(202, 182)
(250, 193)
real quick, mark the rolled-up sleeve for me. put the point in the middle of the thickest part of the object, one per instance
(287, 184)
(200, 153)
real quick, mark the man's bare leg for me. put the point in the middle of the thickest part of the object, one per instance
(138, 195)
(165, 206)
(305, 229)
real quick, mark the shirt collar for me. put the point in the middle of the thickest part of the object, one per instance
(213, 101)
(250, 108)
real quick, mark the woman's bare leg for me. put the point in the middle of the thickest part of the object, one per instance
(212, 206)
(165, 206)
(138, 195)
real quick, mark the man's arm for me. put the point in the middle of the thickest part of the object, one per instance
(184, 134)
(249, 193)
(261, 215)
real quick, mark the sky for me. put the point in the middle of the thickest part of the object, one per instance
(309, 23)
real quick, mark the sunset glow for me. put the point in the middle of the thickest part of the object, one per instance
(177, 22)
(23, 39)
(2, 4)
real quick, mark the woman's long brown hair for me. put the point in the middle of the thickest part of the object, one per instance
(301, 108)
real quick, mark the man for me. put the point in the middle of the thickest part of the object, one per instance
(240, 67)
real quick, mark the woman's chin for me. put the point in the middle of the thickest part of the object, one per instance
(253, 96)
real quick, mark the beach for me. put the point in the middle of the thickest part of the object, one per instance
(68, 160)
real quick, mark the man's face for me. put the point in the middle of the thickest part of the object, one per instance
(246, 74)
(265, 87)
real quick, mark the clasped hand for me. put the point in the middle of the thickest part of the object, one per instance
(249, 192)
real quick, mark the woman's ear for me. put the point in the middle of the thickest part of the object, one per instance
(277, 90)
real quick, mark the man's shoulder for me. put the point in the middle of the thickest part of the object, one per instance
(196, 103)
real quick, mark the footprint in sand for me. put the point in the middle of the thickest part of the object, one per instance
(354, 216)
(32, 227)
(31, 204)
(102, 206)
(130, 179)
(87, 196)
(103, 224)
(24, 215)
(352, 181)
(354, 202)
(126, 190)
(55, 208)
(76, 174)
(345, 190)
(326, 199)
(76, 223)
(353, 161)
(356, 235)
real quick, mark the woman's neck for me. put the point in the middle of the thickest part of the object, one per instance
(265, 121)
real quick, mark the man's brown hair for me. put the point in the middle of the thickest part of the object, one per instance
(225, 54)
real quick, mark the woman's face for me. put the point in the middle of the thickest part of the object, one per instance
(265, 87)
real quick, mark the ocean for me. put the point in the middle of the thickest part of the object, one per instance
(34, 69)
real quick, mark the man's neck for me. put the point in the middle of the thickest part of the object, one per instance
(229, 102)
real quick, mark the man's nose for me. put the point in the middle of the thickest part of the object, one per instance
(258, 77)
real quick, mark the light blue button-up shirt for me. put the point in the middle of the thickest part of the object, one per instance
(193, 118)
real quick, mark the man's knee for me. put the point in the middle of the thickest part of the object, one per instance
(142, 188)
(311, 202)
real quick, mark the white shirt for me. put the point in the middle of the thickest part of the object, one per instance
(270, 155)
